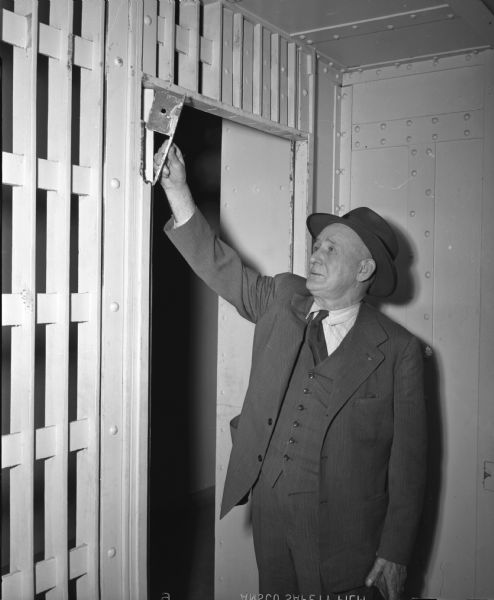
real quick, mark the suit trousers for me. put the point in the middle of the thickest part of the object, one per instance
(286, 542)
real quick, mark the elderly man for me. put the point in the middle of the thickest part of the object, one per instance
(331, 438)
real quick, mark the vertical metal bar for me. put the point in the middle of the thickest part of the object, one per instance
(238, 34)
(150, 37)
(305, 81)
(247, 66)
(283, 81)
(188, 64)
(227, 69)
(275, 77)
(24, 95)
(89, 281)
(266, 74)
(257, 71)
(292, 85)
(58, 282)
(343, 157)
(166, 40)
(211, 74)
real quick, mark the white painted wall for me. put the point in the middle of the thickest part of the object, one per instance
(421, 153)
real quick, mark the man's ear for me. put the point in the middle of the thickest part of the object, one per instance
(366, 270)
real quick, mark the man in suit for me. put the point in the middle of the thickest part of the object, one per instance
(331, 439)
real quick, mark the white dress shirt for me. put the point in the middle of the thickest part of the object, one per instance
(337, 324)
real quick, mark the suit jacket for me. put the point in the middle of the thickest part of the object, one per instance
(372, 469)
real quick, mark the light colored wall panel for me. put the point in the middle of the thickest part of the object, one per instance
(256, 217)
(424, 94)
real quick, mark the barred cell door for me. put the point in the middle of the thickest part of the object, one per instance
(52, 148)
(73, 280)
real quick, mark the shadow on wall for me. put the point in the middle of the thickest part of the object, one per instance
(404, 293)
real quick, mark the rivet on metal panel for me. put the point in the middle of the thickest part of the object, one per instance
(409, 123)
(450, 247)
(427, 274)
(427, 316)
(429, 152)
(468, 57)
(360, 70)
(113, 430)
(428, 192)
(409, 138)
(357, 144)
(428, 351)
(413, 173)
(302, 36)
(339, 171)
(412, 213)
(475, 52)
(357, 128)
(257, 189)
(227, 167)
(354, 26)
(147, 20)
(414, 151)
(115, 183)
(382, 141)
(336, 36)
(413, 16)
(409, 67)
(451, 16)
(111, 552)
(310, 42)
(434, 136)
(382, 125)
(390, 26)
(331, 63)
(226, 71)
(435, 120)
(234, 190)
(378, 71)
(325, 70)
(114, 306)
(466, 132)
(118, 61)
(427, 233)
(466, 116)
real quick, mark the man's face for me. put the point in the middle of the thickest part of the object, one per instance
(335, 262)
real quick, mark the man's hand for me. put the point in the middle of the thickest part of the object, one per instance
(173, 174)
(388, 577)
(174, 182)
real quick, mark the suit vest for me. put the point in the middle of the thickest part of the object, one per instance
(295, 447)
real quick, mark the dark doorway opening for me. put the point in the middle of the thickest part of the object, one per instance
(183, 385)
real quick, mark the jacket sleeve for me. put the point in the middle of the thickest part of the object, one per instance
(221, 268)
(407, 465)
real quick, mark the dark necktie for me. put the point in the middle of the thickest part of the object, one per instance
(315, 337)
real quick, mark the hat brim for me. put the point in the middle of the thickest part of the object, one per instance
(385, 278)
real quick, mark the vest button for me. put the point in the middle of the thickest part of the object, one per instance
(270, 421)
(307, 391)
(286, 457)
(311, 374)
(259, 457)
(295, 424)
(291, 441)
(300, 407)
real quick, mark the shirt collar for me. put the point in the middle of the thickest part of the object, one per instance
(340, 315)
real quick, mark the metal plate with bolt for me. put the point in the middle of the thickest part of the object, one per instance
(163, 118)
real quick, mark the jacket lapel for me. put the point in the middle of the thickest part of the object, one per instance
(361, 356)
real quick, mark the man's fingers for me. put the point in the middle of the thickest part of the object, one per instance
(374, 572)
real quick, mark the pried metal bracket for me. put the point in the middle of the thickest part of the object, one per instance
(163, 118)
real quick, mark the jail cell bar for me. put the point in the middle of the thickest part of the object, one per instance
(224, 55)
(54, 298)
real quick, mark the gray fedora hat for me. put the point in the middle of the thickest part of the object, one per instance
(377, 235)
